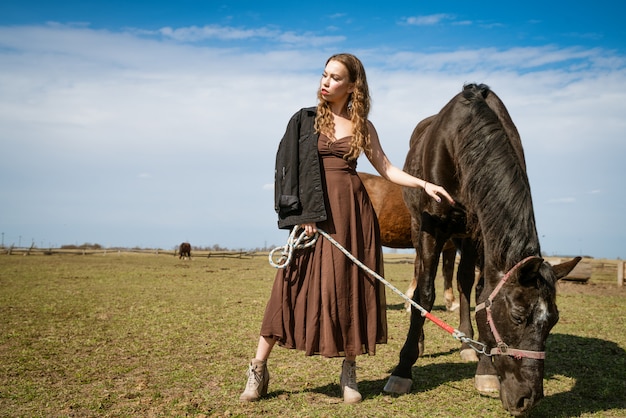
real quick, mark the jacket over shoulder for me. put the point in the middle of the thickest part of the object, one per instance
(298, 184)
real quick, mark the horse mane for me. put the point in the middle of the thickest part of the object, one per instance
(494, 184)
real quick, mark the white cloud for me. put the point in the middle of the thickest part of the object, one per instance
(195, 33)
(428, 20)
(83, 111)
(226, 33)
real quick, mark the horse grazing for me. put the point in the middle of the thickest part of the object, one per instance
(184, 251)
(473, 149)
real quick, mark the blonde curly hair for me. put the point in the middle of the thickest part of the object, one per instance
(358, 108)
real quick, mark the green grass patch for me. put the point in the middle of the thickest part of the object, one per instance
(151, 335)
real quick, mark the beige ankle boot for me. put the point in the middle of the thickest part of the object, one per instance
(258, 379)
(348, 382)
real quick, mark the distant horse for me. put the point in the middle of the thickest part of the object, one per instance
(184, 251)
(473, 149)
(395, 231)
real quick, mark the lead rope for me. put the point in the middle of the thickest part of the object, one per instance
(293, 243)
(304, 241)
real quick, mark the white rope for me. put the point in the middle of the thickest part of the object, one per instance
(293, 243)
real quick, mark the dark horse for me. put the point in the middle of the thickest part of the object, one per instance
(394, 219)
(473, 149)
(184, 251)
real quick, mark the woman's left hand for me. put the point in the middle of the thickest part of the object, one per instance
(310, 229)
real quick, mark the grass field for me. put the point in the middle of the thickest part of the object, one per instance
(151, 335)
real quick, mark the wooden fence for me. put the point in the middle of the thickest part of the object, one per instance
(113, 251)
(581, 273)
(588, 266)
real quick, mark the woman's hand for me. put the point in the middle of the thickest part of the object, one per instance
(310, 229)
(434, 191)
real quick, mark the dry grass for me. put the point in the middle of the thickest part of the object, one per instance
(152, 335)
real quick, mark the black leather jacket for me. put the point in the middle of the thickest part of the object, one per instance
(298, 183)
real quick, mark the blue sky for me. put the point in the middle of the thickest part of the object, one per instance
(146, 123)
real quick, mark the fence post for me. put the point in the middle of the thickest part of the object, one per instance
(620, 273)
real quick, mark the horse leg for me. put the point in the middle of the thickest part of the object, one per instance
(448, 258)
(465, 282)
(400, 381)
(486, 379)
(410, 293)
(447, 268)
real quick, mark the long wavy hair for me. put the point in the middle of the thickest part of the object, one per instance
(358, 108)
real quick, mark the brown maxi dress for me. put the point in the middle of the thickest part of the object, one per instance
(323, 303)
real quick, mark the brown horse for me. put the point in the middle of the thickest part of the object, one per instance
(473, 149)
(395, 231)
(184, 251)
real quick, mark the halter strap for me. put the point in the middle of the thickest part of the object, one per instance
(502, 348)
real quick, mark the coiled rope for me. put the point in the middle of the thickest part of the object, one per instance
(296, 242)
(293, 243)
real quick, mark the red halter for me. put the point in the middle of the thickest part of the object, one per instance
(502, 348)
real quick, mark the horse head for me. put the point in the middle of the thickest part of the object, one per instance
(514, 318)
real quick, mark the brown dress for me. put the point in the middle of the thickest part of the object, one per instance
(322, 302)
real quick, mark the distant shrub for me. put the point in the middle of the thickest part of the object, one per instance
(85, 246)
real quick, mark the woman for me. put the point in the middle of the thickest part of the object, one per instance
(322, 303)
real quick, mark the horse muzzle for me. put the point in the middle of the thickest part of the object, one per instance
(522, 389)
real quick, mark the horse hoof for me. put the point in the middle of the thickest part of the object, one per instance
(468, 354)
(398, 385)
(453, 306)
(487, 385)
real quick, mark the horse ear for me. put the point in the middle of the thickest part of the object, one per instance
(527, 271)
(531, 265)
(563, 269)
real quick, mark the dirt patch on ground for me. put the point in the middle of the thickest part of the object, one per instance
(590, 288)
